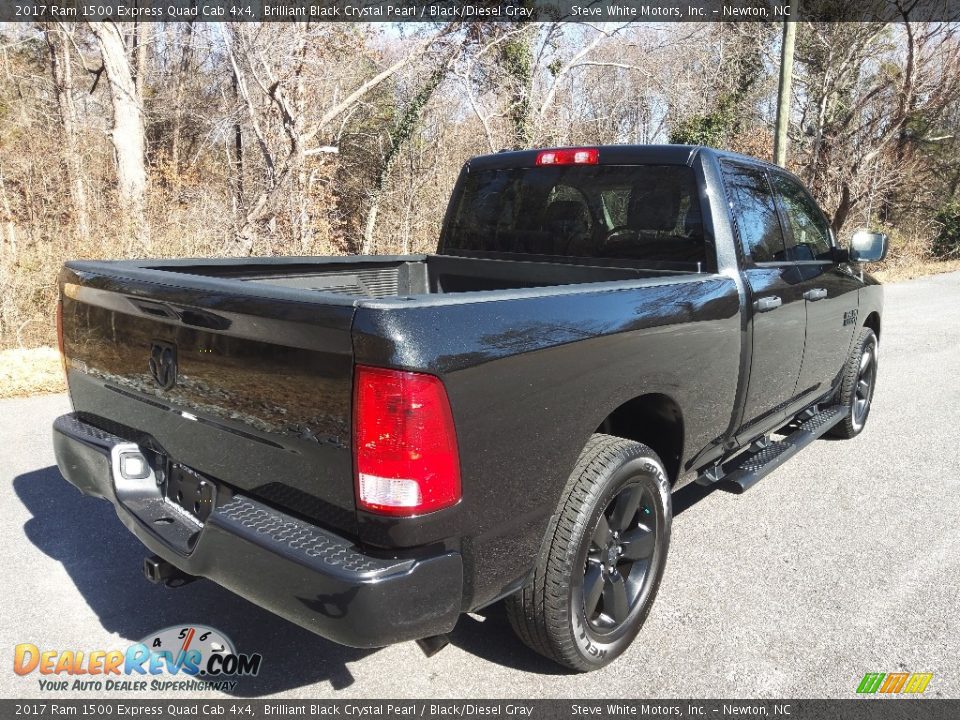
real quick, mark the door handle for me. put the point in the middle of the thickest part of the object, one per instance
(815, 294)
(766, 304)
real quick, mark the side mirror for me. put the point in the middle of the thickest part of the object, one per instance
(868, 246)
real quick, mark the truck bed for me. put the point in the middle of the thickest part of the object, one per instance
(265, 350)
(409, 275)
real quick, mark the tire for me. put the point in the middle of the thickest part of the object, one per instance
(550, 613)
(857, 386)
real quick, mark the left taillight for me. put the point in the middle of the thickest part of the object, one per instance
(405, 443)
(63, 357)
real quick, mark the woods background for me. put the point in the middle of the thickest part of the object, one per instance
(169, 139)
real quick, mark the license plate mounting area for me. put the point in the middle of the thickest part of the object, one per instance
(191, 490)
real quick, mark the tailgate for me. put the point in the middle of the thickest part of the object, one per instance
(248, 385)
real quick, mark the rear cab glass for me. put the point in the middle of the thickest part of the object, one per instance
(642, 214)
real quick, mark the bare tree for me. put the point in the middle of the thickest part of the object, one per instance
(58, 40)
(525, 69)
(872, 93)
(285, 97)
(127, 134)
(183, 72)
(397, 135)
(325, 138)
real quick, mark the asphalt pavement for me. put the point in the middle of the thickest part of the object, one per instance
(844, 561)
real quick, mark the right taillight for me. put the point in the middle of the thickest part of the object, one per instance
(405, 444)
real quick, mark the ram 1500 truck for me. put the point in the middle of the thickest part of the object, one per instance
(371, 446)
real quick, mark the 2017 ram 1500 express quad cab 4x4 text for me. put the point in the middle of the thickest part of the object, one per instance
(371, 446)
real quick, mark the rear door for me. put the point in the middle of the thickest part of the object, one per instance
(776, 287)
(830, 289)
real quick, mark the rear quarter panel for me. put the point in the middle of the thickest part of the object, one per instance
(530, 376)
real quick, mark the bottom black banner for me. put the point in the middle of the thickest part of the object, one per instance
(854, 709)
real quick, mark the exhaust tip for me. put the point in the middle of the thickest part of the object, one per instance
(433, 644)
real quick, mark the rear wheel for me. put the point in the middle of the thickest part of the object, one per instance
(602, 560)
(857, 385)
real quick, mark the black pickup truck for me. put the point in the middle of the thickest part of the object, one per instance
(371, 446)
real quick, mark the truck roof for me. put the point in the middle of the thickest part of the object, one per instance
(612, 155)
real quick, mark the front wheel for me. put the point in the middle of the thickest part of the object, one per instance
(602, 560)
(857, 385)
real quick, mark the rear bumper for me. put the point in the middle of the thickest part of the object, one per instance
(297, 570)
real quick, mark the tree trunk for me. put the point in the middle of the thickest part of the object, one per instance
(268, 203)
(516, 56)
(62, 73)
(783, 95)
(9, 223)
(140, 34)
(186, 60)
(373, 209)
(237, 150)
(843, 209)
(127, 133)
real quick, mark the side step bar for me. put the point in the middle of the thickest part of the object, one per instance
(764, 456)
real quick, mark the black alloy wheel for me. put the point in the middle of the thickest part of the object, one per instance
(602, 558)
(858, 382)
(617, 571)
(866, 379)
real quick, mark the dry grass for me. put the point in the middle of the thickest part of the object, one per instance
(897, 271)
(34, 371)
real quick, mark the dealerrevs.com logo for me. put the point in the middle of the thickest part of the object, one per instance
(181, 657)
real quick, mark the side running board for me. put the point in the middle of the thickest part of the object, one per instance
(764, 456)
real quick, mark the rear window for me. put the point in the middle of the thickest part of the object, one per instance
(649, 213)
